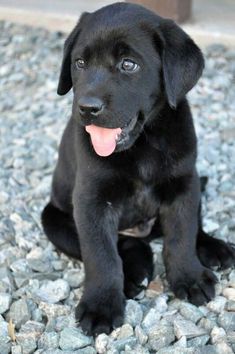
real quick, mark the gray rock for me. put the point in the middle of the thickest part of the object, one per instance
(16, 349)
(224, 348)
(73, 339)
(187, 328)
(32, 328)
(48, 340)
(141, 335)
(74, 277)
(39, 265)
(229, 293)
(27, 342)
(138, 349)
(121, 344)
(102, 342)
(198, 341)
(133, 313)
(87, 350)
(3, 327)
(161, 303)
(151, 319)
(227, 321)
(207, 323)
(5, 345)
(54, 310)
(54, 291)
(181, 343)
(5, 301)
(218, 335)
(160, 336)
(208, 349)
(19, 313)
(230, 306)
(190, 312)
(59, 264)
(170, 350)
(125, 331)
(217, 304)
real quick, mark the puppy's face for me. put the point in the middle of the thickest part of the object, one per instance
(119, 74)
(116, 82)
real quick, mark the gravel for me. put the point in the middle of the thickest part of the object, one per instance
(39, 287)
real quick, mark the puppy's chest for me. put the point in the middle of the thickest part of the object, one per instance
(140, 207)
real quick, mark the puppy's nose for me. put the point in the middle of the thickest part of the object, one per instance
(90, 106)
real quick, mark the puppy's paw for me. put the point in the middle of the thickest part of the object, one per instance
(215, 253)
(135, 282)
(100, 311)
(198, 289)
(137, 262)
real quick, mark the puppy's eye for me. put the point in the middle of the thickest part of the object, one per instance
(80, 63)
(129, 65)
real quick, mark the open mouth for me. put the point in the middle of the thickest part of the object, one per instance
(106, 140)
(124, 134)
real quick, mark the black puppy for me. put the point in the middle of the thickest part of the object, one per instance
(127, 163)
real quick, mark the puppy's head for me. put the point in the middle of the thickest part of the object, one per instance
(124, 63)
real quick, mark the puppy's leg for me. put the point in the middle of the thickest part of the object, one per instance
(213, 252)
(61, 231)
(137, 259)
(102, 305)
(179, 218)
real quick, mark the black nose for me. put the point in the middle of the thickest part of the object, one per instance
(90, 106)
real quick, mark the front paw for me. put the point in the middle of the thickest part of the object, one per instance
(100, 310)
(198, 286)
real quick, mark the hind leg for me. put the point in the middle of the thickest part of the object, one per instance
(61, 230)
(137, 259)
(215, 253)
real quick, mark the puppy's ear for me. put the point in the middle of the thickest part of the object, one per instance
(182, 61)
(65, 80)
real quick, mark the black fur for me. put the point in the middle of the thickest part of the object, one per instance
(151, 174)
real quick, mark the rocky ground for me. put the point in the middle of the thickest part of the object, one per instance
(39, 288)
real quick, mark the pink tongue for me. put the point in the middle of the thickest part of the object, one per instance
(103, 139)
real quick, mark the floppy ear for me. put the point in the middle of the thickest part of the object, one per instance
(182, 61)
(65, 80)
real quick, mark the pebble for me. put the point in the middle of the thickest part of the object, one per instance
(151, 318)
(227, 321)
(125, 331)
(74, 277)
(73, 339)
(230, 306)
(141, 335)
(133, 313)
(16, 349)
(121, 344)
(217, 304)
(19, 313)
(5, 301)
(198, 341)
(48, 340)
(187, 328)
(229, 293)
(54, 291)
(218, 334)
(160, 336)
(190, 312)
(101, 343)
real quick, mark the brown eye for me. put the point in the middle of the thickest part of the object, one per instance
(80, 63)
(129, 65)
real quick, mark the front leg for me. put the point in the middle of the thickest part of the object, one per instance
(179, 219)
(102, 305)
